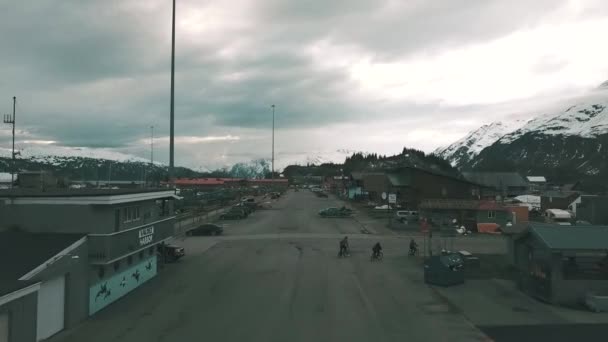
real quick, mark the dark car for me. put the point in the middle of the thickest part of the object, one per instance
(234, 214)
(172, 253)
(206, 229)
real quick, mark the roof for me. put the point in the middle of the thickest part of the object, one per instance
(399, 179)
(536, 179)
(278, 180)
(559, 213)
(559, 194)
(498, 180)
(198, 181)
(571, 237)
(22, 252)
(83, 196)
(460, 204)
(357, 175)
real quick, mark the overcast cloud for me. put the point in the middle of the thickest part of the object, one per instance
(345, 74)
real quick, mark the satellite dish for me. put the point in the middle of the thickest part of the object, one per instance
(384, 195)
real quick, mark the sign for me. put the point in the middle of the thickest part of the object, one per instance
(392, 198)
(384, 195)
(146, 235)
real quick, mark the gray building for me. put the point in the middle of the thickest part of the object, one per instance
(42, 280)
(504, 184)
(120, 229)
(561, 264)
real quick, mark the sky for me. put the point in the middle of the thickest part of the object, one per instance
(344, 75)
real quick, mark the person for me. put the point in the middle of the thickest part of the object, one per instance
(413, 247)
(344, 246)
(376, 250)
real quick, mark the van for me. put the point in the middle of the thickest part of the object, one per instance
(404, 216)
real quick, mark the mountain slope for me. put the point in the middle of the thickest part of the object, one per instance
(566, 145)
(464, 150)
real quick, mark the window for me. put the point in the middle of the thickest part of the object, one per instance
(151, 250)
(101, 271)
(130, 214)
(141, 255)
(491, 214)
(130, 260)
(116, 265)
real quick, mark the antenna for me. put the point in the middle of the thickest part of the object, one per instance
(8, 119)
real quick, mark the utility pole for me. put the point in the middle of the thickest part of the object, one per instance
(152, 145)
(272, 174)
(172, 113)
(151, 154)
(11, 120)
(109, 174)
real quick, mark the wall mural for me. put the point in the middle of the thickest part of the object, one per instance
(111, 289)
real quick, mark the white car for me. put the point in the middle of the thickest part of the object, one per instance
(407, 215)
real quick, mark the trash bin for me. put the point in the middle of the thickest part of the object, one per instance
(444, 270)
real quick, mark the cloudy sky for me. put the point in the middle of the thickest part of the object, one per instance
(344, 74)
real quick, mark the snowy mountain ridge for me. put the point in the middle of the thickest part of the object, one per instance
(54, 155)
(473, 143)
(584, 117)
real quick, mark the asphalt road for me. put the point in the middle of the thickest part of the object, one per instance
(275, 277)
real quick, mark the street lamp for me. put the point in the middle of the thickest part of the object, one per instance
(11, 120)
(272, 174)
(172, 113)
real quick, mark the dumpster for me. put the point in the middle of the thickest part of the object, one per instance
(444, 270)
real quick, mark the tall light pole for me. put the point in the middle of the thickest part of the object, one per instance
(11, 120)
(272, 174)
(172, 124)
(152, 145)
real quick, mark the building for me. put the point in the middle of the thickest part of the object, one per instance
(122, 229)
(560, 264)
(557, 200)
(43, 284)
(503, 184)
(536, 184)
(5, 180)
(412, 185)
(38, 180)
(475, 215)
(590, 208)
(199, 183)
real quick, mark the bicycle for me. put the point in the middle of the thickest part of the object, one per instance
(378, 257)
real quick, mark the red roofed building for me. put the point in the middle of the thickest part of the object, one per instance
(472, 214)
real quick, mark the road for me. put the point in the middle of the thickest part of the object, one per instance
(275, 277)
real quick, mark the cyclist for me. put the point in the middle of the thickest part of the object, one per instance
(376, 250)
(343, 246)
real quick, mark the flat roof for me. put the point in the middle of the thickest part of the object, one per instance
(69, 192)
(83, 196)
(22, 252)
(571, 237)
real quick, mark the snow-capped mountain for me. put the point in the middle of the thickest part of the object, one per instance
(566, 145)
(587, 119)
(465, 149)
(55, 155)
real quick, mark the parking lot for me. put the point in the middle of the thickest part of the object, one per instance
(275, 276)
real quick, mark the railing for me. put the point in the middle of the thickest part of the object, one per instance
(105, 248)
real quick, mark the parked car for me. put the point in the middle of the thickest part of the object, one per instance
(383, 207)
(233, 214)
(172, 253)
(206, 229)
(407, 216)
(241, 206)
(321, 194)
(335, 212)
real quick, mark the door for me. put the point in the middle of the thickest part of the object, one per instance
(3, 327)
(51, 310)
